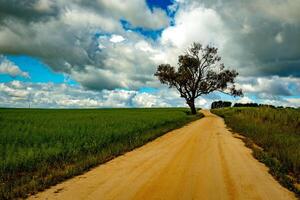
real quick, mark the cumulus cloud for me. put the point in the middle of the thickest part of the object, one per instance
(27, 10)
(199, 24)
(67, 36)
(9, 68)
(87, 41)
(116, 38)
(259, 44)
(50, 95)
(149, 100)
(293, 102)
(275, 85)
(21, 94)
(245, 100)
(75, 36)
(134, 11)
(59, 95)
(275, 90)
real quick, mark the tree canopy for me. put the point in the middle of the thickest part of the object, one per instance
(199, 72)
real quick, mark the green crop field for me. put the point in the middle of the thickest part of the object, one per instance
(39, 148)
(277, 131)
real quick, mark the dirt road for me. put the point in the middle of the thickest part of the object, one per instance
(199, 161)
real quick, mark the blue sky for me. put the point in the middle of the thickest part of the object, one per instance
(113, 50)
(39, 72)
(159, 3)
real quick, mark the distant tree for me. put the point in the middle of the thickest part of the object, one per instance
(220, 104)
(199, 72)
(267, 106)
(246, 105)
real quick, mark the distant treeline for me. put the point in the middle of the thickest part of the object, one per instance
(220, 104)
(223, 104)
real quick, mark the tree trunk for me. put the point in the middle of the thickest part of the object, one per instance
(192, 106)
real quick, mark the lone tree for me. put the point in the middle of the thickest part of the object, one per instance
(199, 72)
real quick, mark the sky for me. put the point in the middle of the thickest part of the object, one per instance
(91, 54)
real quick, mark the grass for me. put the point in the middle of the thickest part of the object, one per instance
(277, 131)
(39, 148)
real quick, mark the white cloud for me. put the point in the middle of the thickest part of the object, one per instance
(274, 85)
(136, 12)
(148, 100)
(294, 102)
(43, 5)
(14, 90)
(68, 39)
(144, 46)
(117, 98)
(198, 24)
(117, 38)
(202, 102)
(79, 18)
(9, 68)
(50, 95)
(193, 23)
(19, 94)
(245, 100)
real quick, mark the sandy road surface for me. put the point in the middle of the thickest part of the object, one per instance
(199, 161)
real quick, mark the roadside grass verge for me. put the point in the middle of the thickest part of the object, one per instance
(41, 147)
(277, 132)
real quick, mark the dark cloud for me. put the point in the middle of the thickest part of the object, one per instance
(27, 10)
(271, 49)
(262, 36)
(270, 86)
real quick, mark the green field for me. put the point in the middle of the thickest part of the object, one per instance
(277, 131)
(39, 148)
